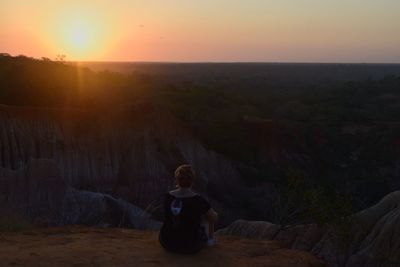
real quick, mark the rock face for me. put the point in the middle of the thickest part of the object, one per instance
(39, 193)
(130, 154)
(372, 239)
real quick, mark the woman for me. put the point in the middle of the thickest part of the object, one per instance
(184, 212)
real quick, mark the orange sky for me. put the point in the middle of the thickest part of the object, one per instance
(218, 30)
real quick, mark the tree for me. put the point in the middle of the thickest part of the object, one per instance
(61, 57)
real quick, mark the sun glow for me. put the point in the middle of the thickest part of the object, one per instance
(80, 36)
(209, 30)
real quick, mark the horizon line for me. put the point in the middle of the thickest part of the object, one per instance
(230, 62)
(216, 61)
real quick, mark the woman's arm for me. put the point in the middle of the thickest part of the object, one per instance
(211, 215)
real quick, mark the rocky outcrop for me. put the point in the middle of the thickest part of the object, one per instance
(377, 234)
(371, 239)
(39, 194)
(129, 153)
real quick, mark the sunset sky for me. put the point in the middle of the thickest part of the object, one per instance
(207, 30)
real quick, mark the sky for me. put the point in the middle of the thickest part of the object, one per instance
(359, 31)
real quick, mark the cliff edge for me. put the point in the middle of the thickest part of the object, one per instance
(90, 246)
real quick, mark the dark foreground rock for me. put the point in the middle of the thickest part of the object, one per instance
(84, 246)
(372, 239)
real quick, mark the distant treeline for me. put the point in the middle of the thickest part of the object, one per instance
(42, 82)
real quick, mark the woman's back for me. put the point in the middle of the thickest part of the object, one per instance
(183, 215)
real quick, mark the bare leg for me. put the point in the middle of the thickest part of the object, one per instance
(209, 228)
(206, 226)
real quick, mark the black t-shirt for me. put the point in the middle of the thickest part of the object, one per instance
(182, 231)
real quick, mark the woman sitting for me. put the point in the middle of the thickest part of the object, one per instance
(185, 213)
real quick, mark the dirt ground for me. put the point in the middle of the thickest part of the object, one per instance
(87, 246)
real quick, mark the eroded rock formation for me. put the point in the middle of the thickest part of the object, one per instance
(39, 194)
(129, 154)
(371, 240)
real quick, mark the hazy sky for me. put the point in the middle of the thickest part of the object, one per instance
(206, 30)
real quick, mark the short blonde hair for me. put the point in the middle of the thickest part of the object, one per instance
(185, 175)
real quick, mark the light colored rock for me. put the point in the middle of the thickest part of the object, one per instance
(251, 229)
(372, 240)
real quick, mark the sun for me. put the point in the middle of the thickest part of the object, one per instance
(80, 39)
(80, 36)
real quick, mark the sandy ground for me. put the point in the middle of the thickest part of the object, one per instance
(87, 246)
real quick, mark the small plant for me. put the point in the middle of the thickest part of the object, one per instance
(303, 202)
(14, 224)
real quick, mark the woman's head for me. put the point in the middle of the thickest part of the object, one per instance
(184, 176)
